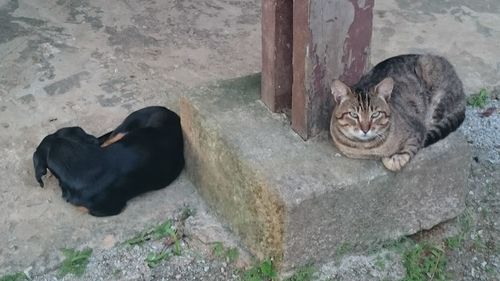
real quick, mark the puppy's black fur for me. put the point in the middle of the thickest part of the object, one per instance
(102, 179)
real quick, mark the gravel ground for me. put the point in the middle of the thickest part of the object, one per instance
(483, 132)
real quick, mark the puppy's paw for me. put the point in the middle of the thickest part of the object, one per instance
(396, 161)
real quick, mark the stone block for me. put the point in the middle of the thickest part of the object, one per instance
(300, 201)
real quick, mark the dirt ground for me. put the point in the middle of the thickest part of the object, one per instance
(90, 63)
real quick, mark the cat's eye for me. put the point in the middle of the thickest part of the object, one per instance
(353, 114)
(376, 114)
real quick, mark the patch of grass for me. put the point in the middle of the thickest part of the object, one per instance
(160, 231)
(396, 245)
(465, 222)
(18, 276)
(154, 259)
(263, 271)
(454, 242)
(177, 247)
(187, 212)
(304, 273)
(478, 243)
(165, 231)
(479, 100)
(218, 249)
(75, 262)
(344, 249)
(380, 262)
(230, 254)
(425, 261)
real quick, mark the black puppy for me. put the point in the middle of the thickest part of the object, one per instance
(101, 174)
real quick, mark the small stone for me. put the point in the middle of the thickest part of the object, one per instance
(483, 264)
(206, 268)
(178, 276)
(108, 242)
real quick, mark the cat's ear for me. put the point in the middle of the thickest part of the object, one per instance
(384, 88)
(339, 91)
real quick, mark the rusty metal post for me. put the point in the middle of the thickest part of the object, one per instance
(331, 39)
(276, 87)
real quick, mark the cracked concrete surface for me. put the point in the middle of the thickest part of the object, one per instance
(466, 32)
(90, 63)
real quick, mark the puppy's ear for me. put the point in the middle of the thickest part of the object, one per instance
(384, 88)
(340, 91)
(40, 165)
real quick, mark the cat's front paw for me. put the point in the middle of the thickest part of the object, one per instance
(396, 161)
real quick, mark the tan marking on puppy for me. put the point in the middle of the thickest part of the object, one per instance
(82, 209)
(49, 174)
(113, 139)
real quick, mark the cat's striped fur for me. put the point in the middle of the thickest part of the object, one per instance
(403, 104)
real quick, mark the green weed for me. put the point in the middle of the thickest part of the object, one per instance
(478, 243)
(380, 262)
(454, 242)
(302, 274)
(479, 100)
(344, 249)
(230, 254)
(263, 271)
(218, 249)
(18, 276)
(465, 222)
(187, 212)
(75, 262)
(160, 231)
(177, 247)
(153, 259)
(167, 231)
(425, 261)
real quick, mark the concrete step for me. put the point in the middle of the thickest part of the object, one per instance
(298, 201)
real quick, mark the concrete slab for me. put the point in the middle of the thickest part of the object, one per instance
(90, 63)
(466, 32)
(302, 201)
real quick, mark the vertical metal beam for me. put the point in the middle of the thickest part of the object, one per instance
(276, 87)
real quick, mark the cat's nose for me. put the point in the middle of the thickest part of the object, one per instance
(365, 127)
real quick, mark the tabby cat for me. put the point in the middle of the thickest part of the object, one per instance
(403, 104)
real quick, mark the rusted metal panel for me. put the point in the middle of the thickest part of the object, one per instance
(331, 40)
(276, 87)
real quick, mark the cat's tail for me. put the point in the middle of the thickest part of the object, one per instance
(444, 127)
(446, 110)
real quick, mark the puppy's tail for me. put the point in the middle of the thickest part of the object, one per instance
(40, 161)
